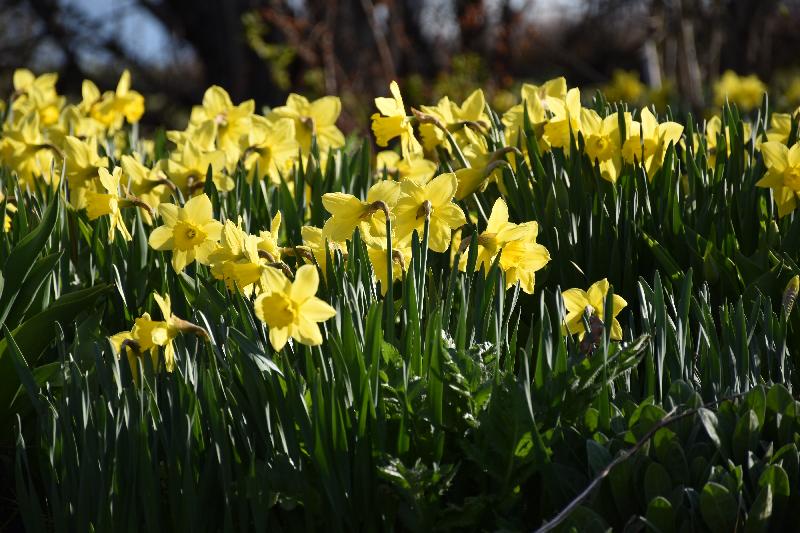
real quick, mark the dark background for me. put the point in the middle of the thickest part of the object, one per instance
(265, 49)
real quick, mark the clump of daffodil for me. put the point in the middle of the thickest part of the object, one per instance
(83, 164)
(578, 301)
(647, 141)
(534, 99)
(414, 167)
(114, 107)
(783, 174)
(36, 94)
(100, 204)
(236, 261)
(229, 123)
(744, 91)
(188, 166)
(272, 148)
(291, 309)
(520, 255)
(432, 201)
(392, 122)
(317, 118)
(148, 336)
(602, 142)
(484, 166)
(75, 120)
(565, 120)
(24, 149)
(452, 117)
(190, 232)
(348, 212)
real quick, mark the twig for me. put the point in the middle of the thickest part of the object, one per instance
(668, 419)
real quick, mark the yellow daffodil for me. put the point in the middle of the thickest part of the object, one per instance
(190, 232)
(36, 94)
(148, 335)
(107, 203)
(24, 149)
(315, 242)
(520, 255)
(230, 123)
(535, 99)
(401, 258)
(483, 169)
(454, 117)
(647, 141)
(148, 184)
(291, 309)
(783, 174)
(272, 148)
(236, 261)
(713, 130)
(498, 233)
(442, 112)
(433, 201)
(73, 121)
(83, 164)
(415, 167)
(744, 91)
(780, 127)
(348, 212)
(602, 142)
(521, 258)
(317, 118)
(268, 240)
(123, 104)
(188, 166)
(577, 301)
(392, 122)
(566, 119)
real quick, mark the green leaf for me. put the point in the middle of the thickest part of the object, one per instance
(598, 456)
(775, 477)
(760, 512)
(21, 261)
(718, 508)
(660, 515)
(656, 481)
(35, 334)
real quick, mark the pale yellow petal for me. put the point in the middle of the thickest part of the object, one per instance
(161, 238)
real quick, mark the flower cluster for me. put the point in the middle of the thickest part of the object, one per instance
(427, 192)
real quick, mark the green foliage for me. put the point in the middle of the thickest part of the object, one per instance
(449, 404)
